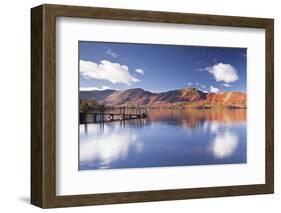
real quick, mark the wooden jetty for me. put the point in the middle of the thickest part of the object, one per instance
(115, 114)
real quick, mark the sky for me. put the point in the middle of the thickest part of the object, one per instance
(160, 68)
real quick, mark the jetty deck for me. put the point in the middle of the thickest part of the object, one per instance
(116, 114)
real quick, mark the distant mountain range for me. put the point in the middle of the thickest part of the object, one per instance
(187, 97)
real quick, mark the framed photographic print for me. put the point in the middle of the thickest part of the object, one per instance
(136, 106)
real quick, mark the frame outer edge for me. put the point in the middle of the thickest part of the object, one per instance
(270, 105)
(156, 16)
(43, 106)
(37, 188)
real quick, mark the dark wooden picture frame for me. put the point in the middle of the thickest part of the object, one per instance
(43, 105)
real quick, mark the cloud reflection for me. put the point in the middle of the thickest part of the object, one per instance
(214, 127)
(105, 149)
(224, 144)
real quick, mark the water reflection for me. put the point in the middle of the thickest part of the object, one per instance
(224, 144)
(102, 150)
(192, 118)
(166, 138)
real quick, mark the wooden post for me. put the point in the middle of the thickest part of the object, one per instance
(82, 117)
(103, 116)
(95, 117)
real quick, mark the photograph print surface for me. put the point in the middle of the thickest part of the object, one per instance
(152, 105)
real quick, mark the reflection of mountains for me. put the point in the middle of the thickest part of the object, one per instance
(192, 118)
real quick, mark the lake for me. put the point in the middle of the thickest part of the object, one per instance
(166, 138)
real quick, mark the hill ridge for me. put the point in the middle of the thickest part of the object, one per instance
(186, 97)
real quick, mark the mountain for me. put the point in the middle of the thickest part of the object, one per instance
(187, 97)
(97, 95)
(232, 100)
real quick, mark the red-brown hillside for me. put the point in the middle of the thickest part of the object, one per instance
(227, 99)
(187, 97)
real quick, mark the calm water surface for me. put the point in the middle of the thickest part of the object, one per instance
(166, 138)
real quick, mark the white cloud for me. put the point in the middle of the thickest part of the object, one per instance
(189, 83)
(226, 85)
(106, 70)
(214, 89)
(203, 86)
(223, 72)
(140, 71)
(111, 53)
(93, 88)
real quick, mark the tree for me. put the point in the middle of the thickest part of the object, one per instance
(88, 104)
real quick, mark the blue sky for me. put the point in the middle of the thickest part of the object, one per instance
(160, 68)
